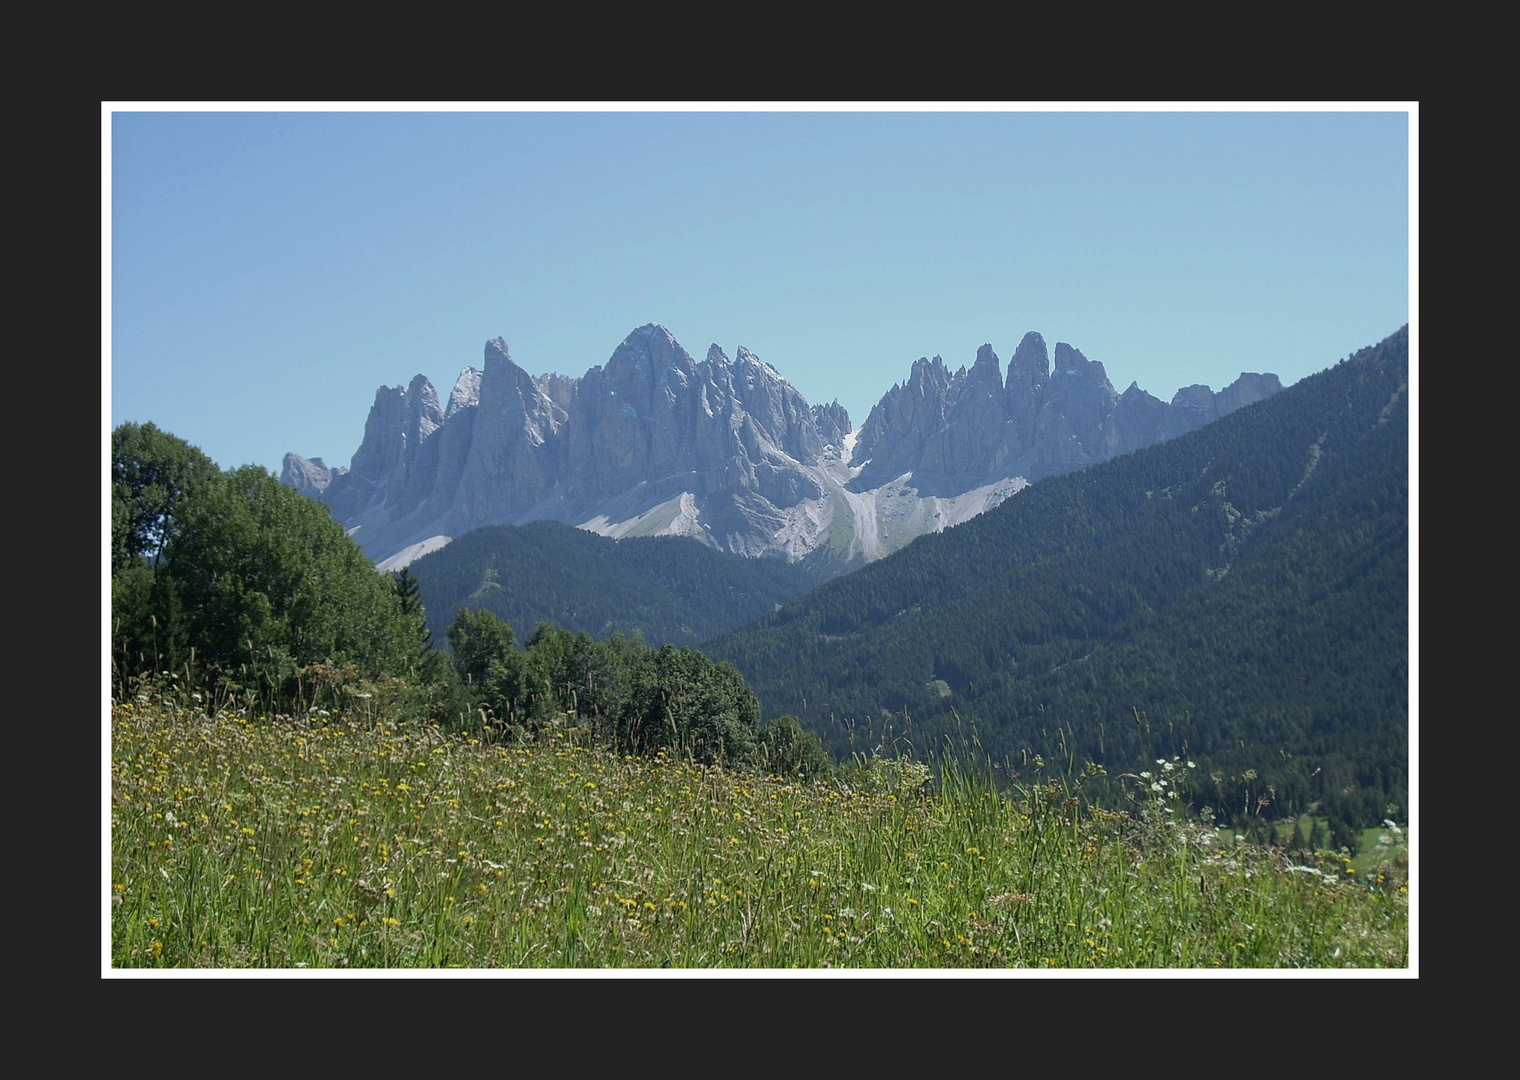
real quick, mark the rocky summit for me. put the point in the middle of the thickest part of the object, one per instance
(655, 442)
(962, 430)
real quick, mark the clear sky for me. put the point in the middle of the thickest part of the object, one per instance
(269, 270)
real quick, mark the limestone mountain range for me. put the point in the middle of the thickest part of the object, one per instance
(655, 442)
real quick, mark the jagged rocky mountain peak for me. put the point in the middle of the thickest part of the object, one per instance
(987, 371)
(558, 388)
(427, 414)
(420, 390)
(1249, 388)
(929, 374)
(833, 422)
(466, 391)
(308, 476)
(1197, 396)
(1133, 395)
(729, 453)
(497, 352)
(1031, 359)
(645, 353)
(1069, 359)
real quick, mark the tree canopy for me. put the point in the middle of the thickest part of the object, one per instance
(150, 471)
(242, 568)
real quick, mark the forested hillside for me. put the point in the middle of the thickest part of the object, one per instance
(669, 589)
(1238, 596)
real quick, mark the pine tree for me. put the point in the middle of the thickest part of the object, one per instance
(410, 595)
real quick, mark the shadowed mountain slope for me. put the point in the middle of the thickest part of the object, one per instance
(1238, 595)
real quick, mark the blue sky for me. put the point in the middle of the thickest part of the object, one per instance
(269, 270)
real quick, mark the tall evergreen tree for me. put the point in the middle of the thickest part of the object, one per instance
(409, 593)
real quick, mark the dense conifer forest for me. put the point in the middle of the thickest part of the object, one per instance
(664, 588)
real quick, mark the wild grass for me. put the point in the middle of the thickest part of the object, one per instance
(240, 841)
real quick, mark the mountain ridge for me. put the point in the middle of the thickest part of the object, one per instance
(728, 452)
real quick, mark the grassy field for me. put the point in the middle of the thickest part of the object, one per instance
(241, 841)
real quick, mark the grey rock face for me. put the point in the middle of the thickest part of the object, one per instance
(466, 391)
(953, 432)
(516, 456)
(893, 438)
(1194, 406)
(1137, 420)
(728, 452)
(1250, 388)
(833, 423)
(390, 467)
(310, 477)
(652, 432)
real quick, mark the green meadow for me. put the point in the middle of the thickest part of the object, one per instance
(353, 840)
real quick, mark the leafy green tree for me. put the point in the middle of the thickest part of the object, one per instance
(685, 701)
(478, 639)
(151, 471)
(572, 673)
(263, 575)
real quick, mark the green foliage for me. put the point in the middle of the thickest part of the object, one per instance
(241, 577)
(638, 699)
(477, 639)
(682, 700)
(900, 776)
(262, 571)
(151, 471)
